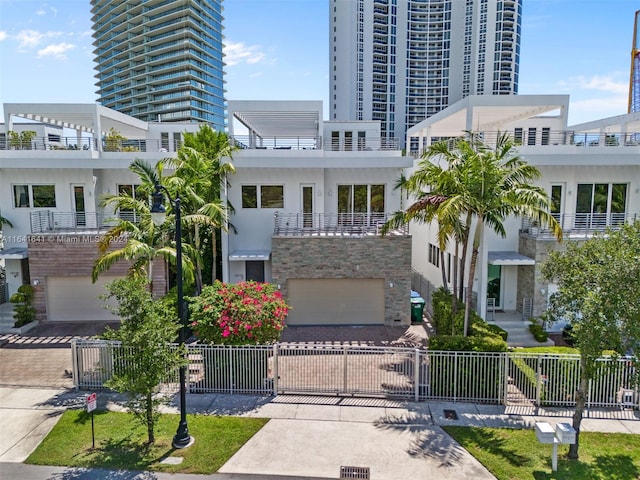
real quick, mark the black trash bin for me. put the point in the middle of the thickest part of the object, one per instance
(417, 307)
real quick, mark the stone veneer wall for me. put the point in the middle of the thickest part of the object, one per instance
(59, 255)
(386, 257)
(530, 281)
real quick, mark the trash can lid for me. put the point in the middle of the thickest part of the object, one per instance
(417, 300)
(414, 294)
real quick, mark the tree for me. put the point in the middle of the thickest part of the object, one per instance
(143, 240)
(480, 183)
(146, 355)
(598, 293)
(200, 175)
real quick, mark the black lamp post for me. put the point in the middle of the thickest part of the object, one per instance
(182, 438)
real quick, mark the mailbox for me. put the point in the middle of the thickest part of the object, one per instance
(565, 433)
(545, 432)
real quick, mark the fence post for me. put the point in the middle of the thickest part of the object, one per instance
(188, 379)
(275, 370)
(74, 363)
(344, 386)
(455, 376)
(538, 380)
(416, 375)
(505, 377)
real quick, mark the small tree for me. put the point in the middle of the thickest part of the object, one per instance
(113, 141)
(598, 292)
(21, 140)
(24, 311)
(146, 355)
(238, 314)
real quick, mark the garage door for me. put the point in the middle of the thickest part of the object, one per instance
(76, 299)
(335, 301)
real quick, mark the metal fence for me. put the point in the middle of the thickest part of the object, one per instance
(390, 372)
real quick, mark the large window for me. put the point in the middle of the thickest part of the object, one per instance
(361, 199)
(38, 196)
(600, 204)
(262, 196)
(129, 190)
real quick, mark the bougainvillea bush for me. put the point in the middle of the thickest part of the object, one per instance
(243, 313)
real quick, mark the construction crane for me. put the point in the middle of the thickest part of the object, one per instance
(634, 77)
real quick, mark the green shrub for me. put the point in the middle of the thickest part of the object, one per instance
(459, 343)
(24, 312)
(538, 332)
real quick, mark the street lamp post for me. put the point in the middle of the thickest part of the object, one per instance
(181, 439)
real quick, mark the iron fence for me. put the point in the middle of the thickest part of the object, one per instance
(369, 371)
(333, 224)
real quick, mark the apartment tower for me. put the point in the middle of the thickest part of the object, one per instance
(160, 60)
(401, 61)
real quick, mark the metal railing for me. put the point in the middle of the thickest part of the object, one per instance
(355, 144)
(47, 221)
(579, 225)
(540, 137)
(332, 224)
(390, 372)
(70, 144)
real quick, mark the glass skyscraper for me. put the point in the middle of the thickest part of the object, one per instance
(160, 60)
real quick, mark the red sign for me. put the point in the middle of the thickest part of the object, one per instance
(92, 402)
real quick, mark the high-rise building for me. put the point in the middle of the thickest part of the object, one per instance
(401, 61)
(160, 60)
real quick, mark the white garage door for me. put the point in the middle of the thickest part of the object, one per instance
(335, 301)
(76, 299)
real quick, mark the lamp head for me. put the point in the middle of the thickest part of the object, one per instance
(158, 212)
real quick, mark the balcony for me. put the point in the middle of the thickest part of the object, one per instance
(579, 225)
(85, 144)
(245, 142)
(333, 224)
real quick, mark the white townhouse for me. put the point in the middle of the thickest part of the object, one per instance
(309, 199)
(591, 172)
(50, 188)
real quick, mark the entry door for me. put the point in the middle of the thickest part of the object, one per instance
(78, 205)
(254, 270)
(494, 284)
(307, 205)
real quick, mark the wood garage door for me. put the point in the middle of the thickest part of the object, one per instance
(76, 299)
(341, 301)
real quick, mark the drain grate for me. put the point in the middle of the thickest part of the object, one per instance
(354, 472)
(450, 415)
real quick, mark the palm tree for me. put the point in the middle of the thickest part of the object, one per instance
(198, 179)
(144, 240)
(482, 184)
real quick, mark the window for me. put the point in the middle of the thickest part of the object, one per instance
(44, 196)
(262, 196)
(21, 196)
(531, 137)
(600, 204)
(517, 136)
(434, 255)
(129, 190)
(556, 200)
(546, 133)
(361, 199)
(335, 139)
(38, 196)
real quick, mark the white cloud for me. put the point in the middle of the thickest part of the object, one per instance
(602, 83)
(3, 35)
(56, 50)
(238, 52)
(32, 38)
(40, 12)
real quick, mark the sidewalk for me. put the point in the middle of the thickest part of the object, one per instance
(307, 437)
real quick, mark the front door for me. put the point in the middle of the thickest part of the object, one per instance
(307, 206)
(254, 270)
(78, 205)
(494, 284)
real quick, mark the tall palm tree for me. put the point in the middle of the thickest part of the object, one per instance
(144, 240)
(199, 177)
(482, 184)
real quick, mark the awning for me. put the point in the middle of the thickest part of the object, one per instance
(14, 253)
(509, 258)
(248, 255)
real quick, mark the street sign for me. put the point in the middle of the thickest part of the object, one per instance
(92, 402)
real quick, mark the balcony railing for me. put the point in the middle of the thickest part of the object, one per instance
(332, 224)
(316, 143)
(47, 221)
(87, 144)
(580, 225)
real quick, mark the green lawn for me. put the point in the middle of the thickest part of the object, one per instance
(121, 442)
(517, 455)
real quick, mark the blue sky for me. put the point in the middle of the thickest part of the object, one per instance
(278, 50)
